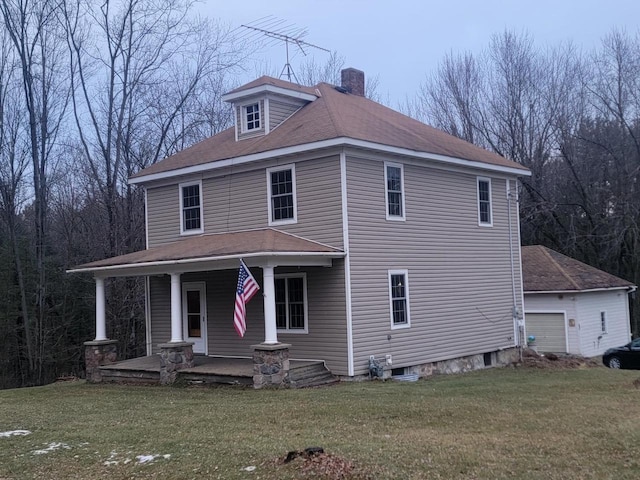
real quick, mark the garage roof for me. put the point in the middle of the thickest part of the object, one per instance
(545, 270)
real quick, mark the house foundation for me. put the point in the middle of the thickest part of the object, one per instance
(173, 357)
(271, 365)
(96, 354)
(497, 358)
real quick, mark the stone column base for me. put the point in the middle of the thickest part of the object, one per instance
(271, 365)
(97, 353)
(174, 357)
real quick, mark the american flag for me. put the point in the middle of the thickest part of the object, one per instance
(247, 288)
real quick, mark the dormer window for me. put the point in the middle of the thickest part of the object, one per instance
(251, 117)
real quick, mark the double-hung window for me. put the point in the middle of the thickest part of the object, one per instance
(251, 118)
(399, 298)
(191, 208)
(485, 216)
(281, 183)
(291, 303)
(394, 185)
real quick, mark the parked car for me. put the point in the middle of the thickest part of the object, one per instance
(627, 356)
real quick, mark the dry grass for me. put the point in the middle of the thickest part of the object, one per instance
(500, 423)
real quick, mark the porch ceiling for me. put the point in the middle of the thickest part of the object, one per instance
(220, 251)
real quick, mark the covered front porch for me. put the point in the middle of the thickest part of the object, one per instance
(171, 349)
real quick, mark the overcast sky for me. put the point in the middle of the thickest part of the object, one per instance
(403, 40)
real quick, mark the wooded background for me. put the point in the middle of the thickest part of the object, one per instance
(90, 93)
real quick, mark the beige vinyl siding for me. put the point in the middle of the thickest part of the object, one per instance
(279, 111)
(160, 296)
(327, 337)
(319, 201)
(459, 273)
(238, 201)
(163, 214)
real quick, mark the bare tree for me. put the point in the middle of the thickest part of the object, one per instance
(574, 121)
(13, 164)
(138, 71)
(34, 32)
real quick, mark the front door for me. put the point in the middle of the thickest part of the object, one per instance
(194, 315)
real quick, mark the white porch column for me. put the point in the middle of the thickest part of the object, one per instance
(269, 293)
(101, 323)
(176, 309)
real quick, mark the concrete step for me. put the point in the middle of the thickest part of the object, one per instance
(129, 376)
(311, 376)
(211, 379)
(306, 370)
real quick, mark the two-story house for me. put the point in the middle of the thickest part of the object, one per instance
(370, 234)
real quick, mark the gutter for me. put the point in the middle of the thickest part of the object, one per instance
(631, 289)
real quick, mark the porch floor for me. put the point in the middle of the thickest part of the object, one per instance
(206, 369)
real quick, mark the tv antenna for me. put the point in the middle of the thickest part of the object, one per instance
(278, 30)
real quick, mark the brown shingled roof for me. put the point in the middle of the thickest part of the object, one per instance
(333, 115)
(545, 270)
(276, 82)
(267, 240)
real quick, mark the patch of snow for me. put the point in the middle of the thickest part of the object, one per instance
(112, 460)
(151, 458)
(50, 448)
(15, 433)
(250, 468)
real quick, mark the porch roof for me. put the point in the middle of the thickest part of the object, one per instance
(217, 251)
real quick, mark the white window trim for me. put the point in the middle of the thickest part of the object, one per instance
(194, 231)
(603, 313)
(297, 331)
(395, 218)
(406, 279)
(480, 222)
(243, 116)
(280, 168)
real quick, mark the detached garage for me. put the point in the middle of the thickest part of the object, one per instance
(571, 307)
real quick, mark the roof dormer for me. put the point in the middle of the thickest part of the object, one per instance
(265, 103)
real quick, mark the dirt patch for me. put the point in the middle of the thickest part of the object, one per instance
(532, 359)
(321, 465)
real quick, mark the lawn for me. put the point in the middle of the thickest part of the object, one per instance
(497, 423)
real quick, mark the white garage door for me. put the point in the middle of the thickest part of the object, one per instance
(549, 330)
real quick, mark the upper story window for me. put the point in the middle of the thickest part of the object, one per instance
(251, 118)
(485, 216)
(399, 298)
(281, 183)
(394, 182)
(291, 303)
(191, 207)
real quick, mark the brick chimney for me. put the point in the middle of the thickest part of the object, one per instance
(353, 81)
